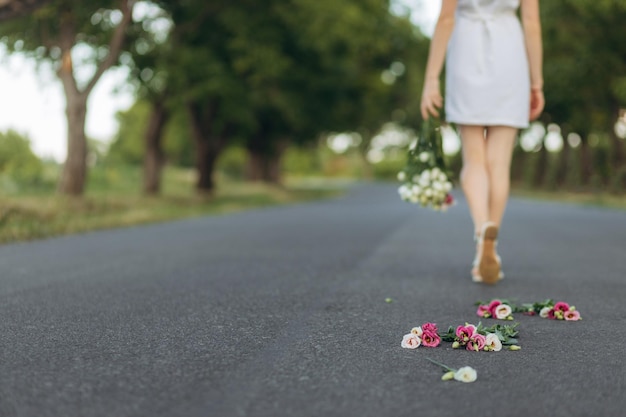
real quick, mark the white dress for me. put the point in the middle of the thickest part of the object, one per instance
(487, 74)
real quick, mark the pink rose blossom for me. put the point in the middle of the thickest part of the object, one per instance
(464, 333)
(476, 342)
(503, 311)
(571, 315)
(430, 339)
(483, 311)
(492, 307)
(561, 306)
(430, 327)
(411, 341)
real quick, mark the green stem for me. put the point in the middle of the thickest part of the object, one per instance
(441, 364)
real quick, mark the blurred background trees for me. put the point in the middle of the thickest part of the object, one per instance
(256, 90)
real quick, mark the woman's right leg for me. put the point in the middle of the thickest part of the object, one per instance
(474, 175)
(500, 144)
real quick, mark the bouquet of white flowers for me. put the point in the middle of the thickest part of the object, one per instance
(425, 180)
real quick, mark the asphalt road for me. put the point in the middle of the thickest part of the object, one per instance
(282, 312)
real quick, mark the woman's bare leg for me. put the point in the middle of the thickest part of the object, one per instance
(474, 175)
(500, 143)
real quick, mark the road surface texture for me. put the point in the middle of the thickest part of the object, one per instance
(282, 312)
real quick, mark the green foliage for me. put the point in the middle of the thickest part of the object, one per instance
(38, 33)
(618, 181)
(17, 161)
(177, 142)
(302, 161)
(128, 145)
(585, 62)
(232, 162)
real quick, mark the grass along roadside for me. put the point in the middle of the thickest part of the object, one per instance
(40, 215)
(600, 199)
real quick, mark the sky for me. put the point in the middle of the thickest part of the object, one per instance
(33, 104)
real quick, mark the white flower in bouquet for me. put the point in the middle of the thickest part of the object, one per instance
(424, 178)
(404, 192)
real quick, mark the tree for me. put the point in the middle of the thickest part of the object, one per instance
(10, 9)
(324, 74)
(67, 33)
(150, 49)
(584, 70)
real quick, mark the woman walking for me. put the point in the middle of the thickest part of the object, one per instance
(494, 87)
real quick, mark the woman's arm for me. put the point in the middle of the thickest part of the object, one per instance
(431, 94)
(534, 50)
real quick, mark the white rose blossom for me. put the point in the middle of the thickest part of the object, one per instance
(401, 176)
(417, 331)
(493, 342)
(544, 312)
(466, 374)
(411, 341)
(503, 311)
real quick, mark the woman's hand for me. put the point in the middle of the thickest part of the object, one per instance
(537, 102)
(431, 98)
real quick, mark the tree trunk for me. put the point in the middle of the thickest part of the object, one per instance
(518, 165)
(74, 172)
(254, 167)
(208, 145)
(205, 162)
(265, 161)
(586, 166)
(541, 167)
(153, 159)
(564, 156)
(617, 147)
(274, 172)
(10, 9)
